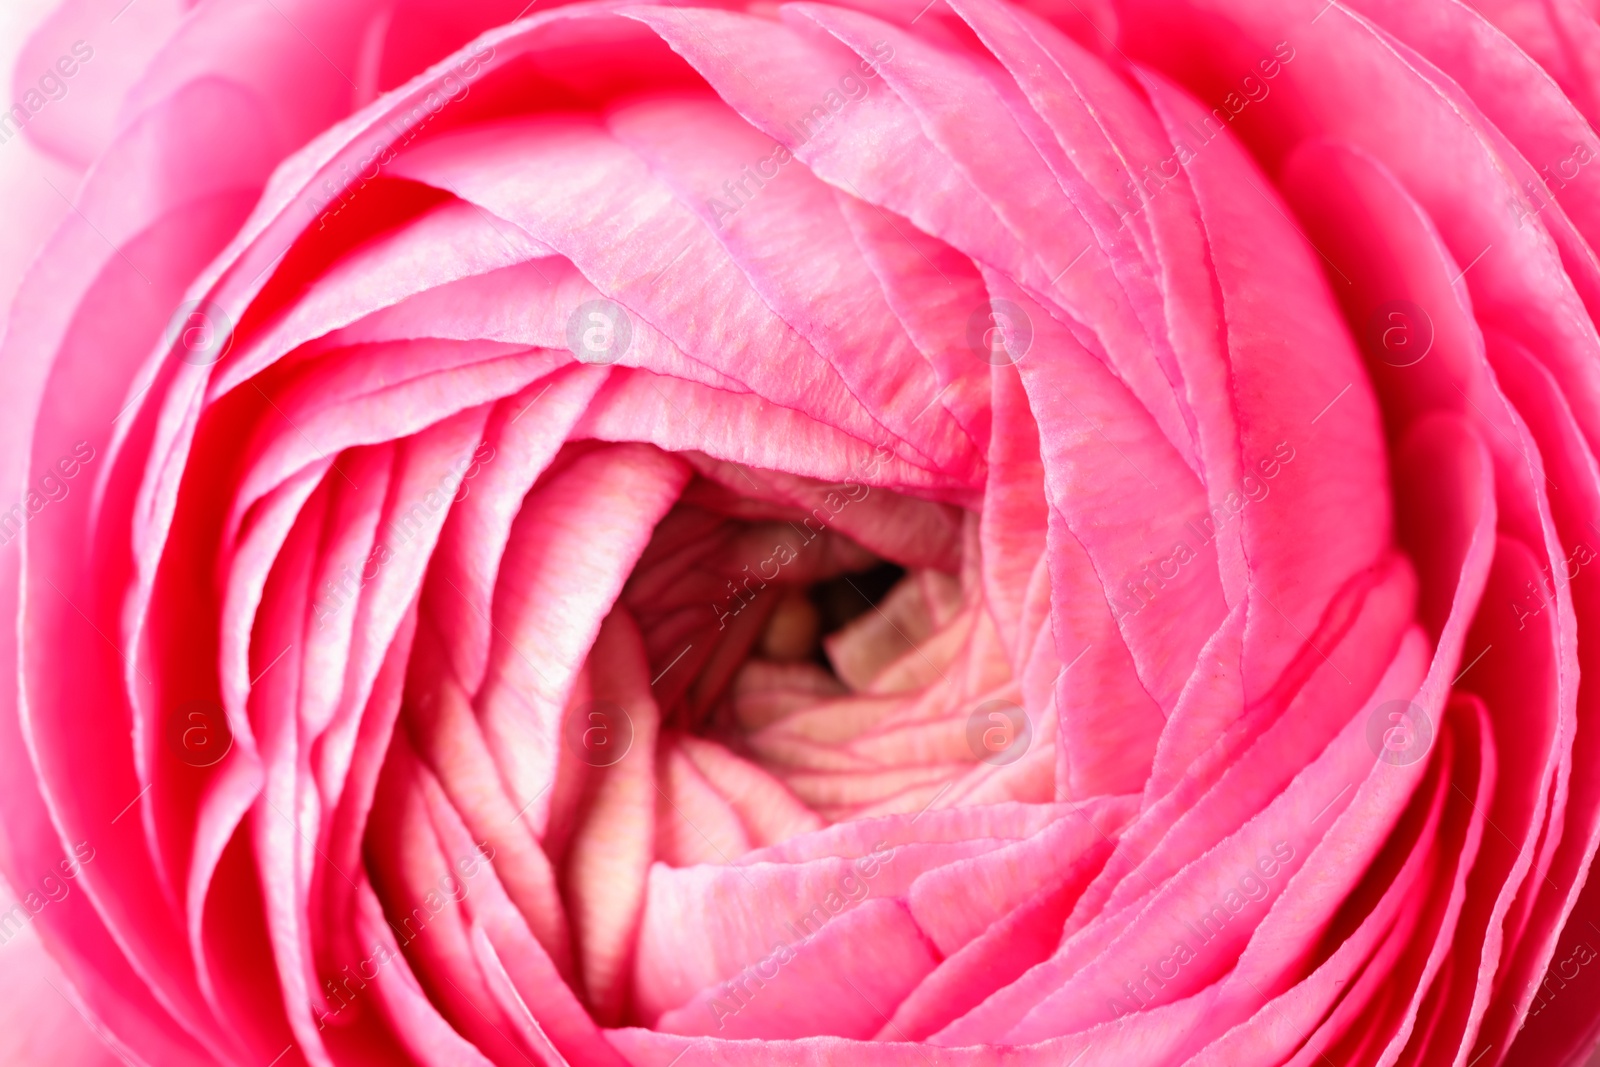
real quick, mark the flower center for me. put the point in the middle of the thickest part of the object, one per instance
(785, 651)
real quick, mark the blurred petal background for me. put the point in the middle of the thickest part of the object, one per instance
(31, 184)
(38, 1024)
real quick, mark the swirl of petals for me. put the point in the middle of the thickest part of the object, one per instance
(808, 533)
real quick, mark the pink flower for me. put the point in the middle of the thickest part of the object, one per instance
(857, 533)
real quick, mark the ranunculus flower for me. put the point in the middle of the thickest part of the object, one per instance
(876, 532)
